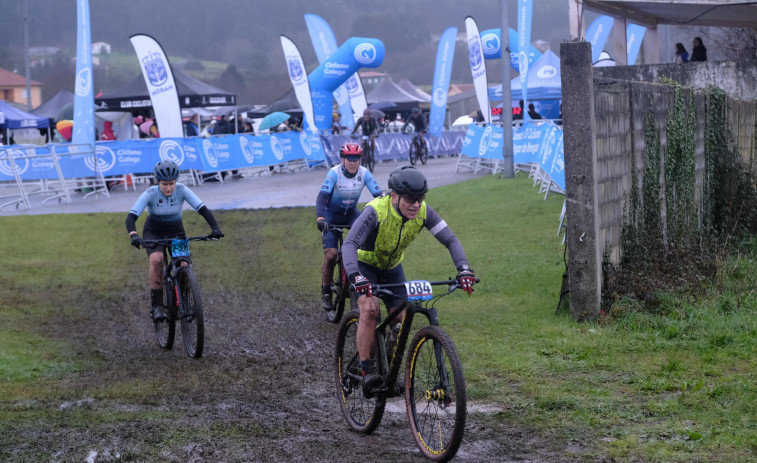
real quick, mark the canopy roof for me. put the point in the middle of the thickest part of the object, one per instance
(17, 119)
(720, 13)
(387, 90)
(412, 89)
(543, 80)
(193, 93)
(51, 108)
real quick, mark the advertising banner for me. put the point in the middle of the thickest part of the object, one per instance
(160, 83)
(491, 41)
(525, 11)
(445, 55)
(597, 34)
(84, 97)
(354, 54)
(634, 36)
(299, 80)
(324, 44)
(478, 67)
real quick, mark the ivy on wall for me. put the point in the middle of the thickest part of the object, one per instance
(669, 239)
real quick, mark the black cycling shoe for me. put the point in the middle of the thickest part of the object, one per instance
(326, 302)
(159, 313)
(372, 384)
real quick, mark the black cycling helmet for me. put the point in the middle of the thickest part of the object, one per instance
(408, 181)
(416, 110)
(166, 171)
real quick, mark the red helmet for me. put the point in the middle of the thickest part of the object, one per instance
(350, 149)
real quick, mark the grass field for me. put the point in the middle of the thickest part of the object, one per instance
(675, 385)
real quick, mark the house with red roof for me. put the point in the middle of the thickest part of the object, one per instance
(13, 89)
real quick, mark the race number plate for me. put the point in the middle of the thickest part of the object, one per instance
(180, 248)
(419, 290)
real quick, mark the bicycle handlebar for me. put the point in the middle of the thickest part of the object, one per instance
(385, 288)
(170, 240)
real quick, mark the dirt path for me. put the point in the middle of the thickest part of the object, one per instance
(261, 393)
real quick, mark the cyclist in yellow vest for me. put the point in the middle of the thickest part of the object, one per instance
(374, 249)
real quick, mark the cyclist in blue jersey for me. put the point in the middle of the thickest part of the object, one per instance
(164, 203)
(337, 204)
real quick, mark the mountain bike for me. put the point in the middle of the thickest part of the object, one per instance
(368, 159)
(181, 297)
(434, 385)
(340, 285)
(418, 150)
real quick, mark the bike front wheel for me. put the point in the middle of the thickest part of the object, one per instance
(165, 330)
(413, 155)
(362, 414)
(339, 288)
(435, 394)
(190, 313)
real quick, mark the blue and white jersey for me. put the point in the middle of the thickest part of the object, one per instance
(164, 208)
(339, 193)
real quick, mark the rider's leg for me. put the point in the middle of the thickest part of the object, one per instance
(369, 310)
(373, 145)
(329, 261)
(156, 285)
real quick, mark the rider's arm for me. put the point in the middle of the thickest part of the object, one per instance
(441, 231)
(324, 196)
(137, 209)
(189, 196)
(208, 216)
(359, 232)
(372, 185)
(357, 124)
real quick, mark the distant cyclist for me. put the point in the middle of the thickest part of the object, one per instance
(164, 202)
(370, 127)
(419, 123)
(374, 249)
(337, 204)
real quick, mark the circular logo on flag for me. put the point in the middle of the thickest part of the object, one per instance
(171, 151)
(210, 153)
(247, 152)
(305, 143)
(440, 97)
(365, 53)
(474, 53)
(546, 72)
(295, 69)
(83, 82)
(106, 159)
(490, 43)
(522, 64)
(486, 138)
(5, 163)
(276, 148)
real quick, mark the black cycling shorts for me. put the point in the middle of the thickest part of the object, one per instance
(378, 276)
(155, 230)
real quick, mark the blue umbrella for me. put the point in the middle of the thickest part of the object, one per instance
(272, 120)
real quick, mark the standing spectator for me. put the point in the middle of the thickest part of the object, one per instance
(108, 132)
(699, 52)
(336, 127)
(222, 127)
(682, 56)
(190, 127)
(532, 112)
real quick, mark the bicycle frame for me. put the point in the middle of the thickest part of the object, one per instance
(392, 362)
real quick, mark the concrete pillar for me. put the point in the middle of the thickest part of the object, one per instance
(652, 46)
(582, 211)
(620, 41)
(575, 18)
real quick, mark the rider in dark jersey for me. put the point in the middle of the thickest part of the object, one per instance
(164, 203)
(419, 122)
(337, 204)
(370, 127)
(374, 249)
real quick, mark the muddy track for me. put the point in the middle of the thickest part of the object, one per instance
(263, 391)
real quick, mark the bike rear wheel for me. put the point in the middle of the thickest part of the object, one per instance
(190, 313)
(413, 153)
(435, 394)
(165, 330)
(362, 414)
